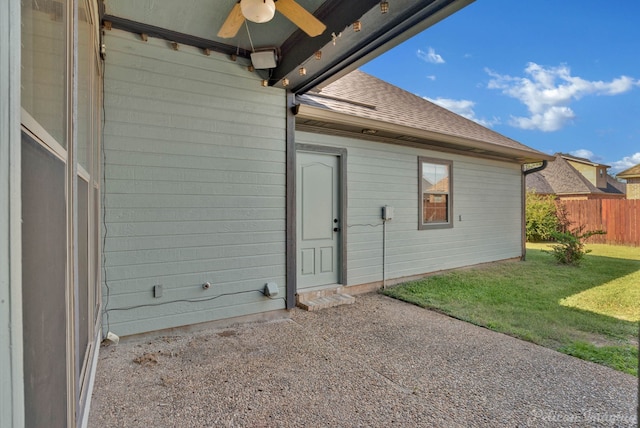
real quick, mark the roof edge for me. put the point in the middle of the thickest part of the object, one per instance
(629, 172)
(317, 113)
(582, 160)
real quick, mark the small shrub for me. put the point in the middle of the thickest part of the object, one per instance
(569, 249)
(542, 218)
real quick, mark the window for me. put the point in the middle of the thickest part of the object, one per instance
(44, 65)
(435, 193)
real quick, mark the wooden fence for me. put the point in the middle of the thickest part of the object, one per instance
(620, 218)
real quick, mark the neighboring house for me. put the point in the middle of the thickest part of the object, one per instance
(632, 177)
(573, 178)
(149, 180)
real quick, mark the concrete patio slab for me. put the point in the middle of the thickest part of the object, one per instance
(376, 363)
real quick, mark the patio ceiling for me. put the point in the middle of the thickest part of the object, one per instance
(197, 23)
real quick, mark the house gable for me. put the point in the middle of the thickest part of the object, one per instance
(596, 173)
(632, 177)
(633, 172)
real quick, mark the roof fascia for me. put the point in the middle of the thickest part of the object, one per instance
(322, 114)
(584, 161)
(628, 173)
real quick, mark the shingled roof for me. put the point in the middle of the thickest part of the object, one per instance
(395, 113)
(561, 178)
(632, 172)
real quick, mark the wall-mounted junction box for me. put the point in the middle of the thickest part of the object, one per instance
(271, 289)
(387, 213)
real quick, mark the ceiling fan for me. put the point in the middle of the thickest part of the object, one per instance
(260, 11)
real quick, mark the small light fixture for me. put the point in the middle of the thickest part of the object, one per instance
(265, 82)
(285, 82)
(258, 11)
(302, 71)
(334, 37)
(318, 55)
(384, 6)
(357, 26)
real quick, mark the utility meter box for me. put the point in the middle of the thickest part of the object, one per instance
(387, 213)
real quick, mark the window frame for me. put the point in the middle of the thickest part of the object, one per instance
(435, 225)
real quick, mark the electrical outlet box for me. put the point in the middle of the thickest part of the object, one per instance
(387, 213)
(271, 289)
(157, 291)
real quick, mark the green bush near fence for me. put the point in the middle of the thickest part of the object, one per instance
(543, 217)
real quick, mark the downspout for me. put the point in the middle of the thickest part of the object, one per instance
(523, 238)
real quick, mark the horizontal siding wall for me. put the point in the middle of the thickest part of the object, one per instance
(194, 186)
(486, 194)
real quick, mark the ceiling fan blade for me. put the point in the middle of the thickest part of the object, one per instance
(232, 24)
(299, 16)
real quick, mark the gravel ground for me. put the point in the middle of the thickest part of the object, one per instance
(376, 363)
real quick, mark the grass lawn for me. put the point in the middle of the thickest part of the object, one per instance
(590, 312)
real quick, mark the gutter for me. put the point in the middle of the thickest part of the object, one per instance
(524, 206)
(536, 169)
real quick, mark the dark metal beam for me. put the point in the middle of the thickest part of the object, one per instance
(336, 15)
(173, 36)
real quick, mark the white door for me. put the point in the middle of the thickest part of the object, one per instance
(318, 219)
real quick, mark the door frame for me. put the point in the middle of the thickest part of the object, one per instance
(292, 256)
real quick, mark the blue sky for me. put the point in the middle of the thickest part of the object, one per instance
(556, 75)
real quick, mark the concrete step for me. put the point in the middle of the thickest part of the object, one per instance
(323, 302)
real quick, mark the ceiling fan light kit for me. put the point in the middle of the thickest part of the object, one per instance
(261, 11)
(258, 11)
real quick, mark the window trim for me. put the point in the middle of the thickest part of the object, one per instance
(440, 225)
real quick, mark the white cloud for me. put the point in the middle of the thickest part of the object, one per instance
(625, 163)
(551, 119)
(430, 56)
(431, 77)
(583, 153)
(464, 108)
(548, 91)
